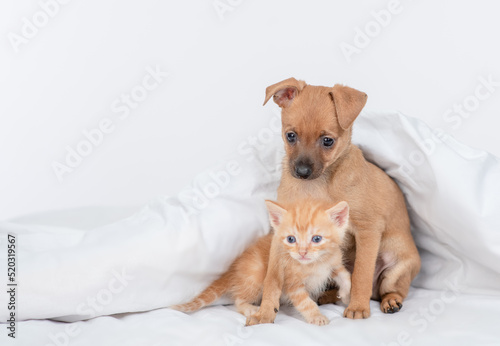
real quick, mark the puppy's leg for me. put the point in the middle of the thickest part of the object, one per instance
(271, 292)
(394, 285)
(394, 282)
(367, 247)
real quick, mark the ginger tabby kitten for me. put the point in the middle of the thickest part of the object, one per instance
(310, 234)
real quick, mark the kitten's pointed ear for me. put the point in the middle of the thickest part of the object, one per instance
(276, 213)
(285, 91)
(339, 214)
(348, 104)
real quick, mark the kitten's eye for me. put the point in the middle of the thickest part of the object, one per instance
(316, 238)
(290, 239)
(291, 137)
(328, 142)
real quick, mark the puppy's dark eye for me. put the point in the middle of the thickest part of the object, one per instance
(328, 142)
(291, 137)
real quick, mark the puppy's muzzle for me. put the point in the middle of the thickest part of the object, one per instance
(303, 170)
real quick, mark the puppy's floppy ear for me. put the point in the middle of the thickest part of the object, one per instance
(285, 91)
(348, 104)
(276, 213)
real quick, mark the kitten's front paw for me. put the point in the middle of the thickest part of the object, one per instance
(261, 317)
(319, 320)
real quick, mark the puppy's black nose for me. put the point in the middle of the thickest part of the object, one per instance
(303, 170)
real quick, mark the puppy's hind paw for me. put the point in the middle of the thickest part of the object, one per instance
(391, 303)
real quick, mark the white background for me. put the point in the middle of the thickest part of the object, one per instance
(65, 78)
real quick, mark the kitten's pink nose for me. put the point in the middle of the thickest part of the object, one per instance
(303, 253)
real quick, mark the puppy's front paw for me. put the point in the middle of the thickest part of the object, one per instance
(261, 317)
(319, 320)
(357, 311)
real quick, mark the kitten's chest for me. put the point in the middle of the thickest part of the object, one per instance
(316, 278)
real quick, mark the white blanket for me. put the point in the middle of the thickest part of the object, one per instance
(175, 246)
(428, 318)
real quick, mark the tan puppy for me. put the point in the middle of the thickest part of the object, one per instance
(322, 163)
